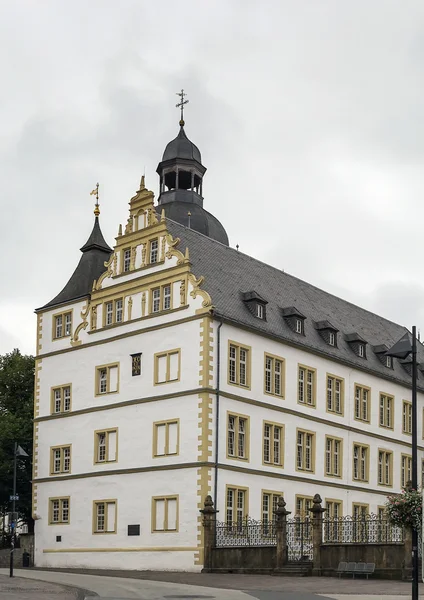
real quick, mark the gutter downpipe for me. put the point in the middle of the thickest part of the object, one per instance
(218, 370)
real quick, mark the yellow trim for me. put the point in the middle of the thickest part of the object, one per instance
(146, 549)
(390, 454)
(362, 388)
(165, 499)
(313, 434)
(248, 350)
(271, 463)
(275, 358)
(63, 315)
(389, 400)
(360, 505)
(52, 398)
(96, 503)
(342, 393)
(408, 468)
(107, 432)
(340, 473)
(367, 462)
(237, 418)
(60, 499)
(168, 354)
(61, 448)
(407, 404)
(97, 379)
(157, 424)
(307, 369)
(34, 494)
(236, 489)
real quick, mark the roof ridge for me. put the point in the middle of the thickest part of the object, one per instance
(257, 260)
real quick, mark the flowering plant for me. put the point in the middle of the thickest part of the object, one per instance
(405, 509)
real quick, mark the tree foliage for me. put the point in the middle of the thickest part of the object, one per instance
(16, 425)
(405, 509)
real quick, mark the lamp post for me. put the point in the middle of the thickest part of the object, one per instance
(402, 349)
(17, 451)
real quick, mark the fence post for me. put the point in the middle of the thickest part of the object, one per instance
(209, 521)
(407, 561)
(317, 520)
(281, 532)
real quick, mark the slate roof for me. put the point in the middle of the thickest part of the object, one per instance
(228, 273)
(182, 147)
(95, 253)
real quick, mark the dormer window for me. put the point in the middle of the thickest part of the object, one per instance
(381, 353)
(294, 319)
(357, 344)
(256, 304)
(328, 332)
(389, 362)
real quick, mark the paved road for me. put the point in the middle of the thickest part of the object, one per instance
(18, 588)
(142, 585)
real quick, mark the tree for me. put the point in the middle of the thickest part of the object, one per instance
(16, 425)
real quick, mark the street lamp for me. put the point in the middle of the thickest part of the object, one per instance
(18, 451)
(402, 349)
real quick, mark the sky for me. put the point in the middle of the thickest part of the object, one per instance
(308, 114)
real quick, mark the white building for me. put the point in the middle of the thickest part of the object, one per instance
(174, 366)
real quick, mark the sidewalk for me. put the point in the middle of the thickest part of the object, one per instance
(19, 588)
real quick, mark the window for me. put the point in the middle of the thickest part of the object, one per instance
(238, 436)
(106, 446)
(167, 366)
(104, 516)
(126, 262)
(333, 456)
(61, 399)
(166, 438)
(161, 298)
(362, 398)
(334, 509)
(269, 506)
(299, 326)
(360, 511)
(136, 364)
(59, 511)
(60, 460)
(236, 505)
(306, 386)
(165, 513)
(333, 525)
(385, 462)
(406, 469)
(238, 365)
(303, 504)
(389, 362)
(113, 312)
(386, 411)
(305, 451)
(360, 462)
(259, 311)
(361, 350)
(273, 444)
(407, 417)
(107, 379)
(62, 325)
(274, 375)
(154, 251)
(331, 338)
(335, 393)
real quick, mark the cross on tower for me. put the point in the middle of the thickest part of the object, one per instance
(181, 105)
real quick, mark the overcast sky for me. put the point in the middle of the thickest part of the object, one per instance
(308, 114)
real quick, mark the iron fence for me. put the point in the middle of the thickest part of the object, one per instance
(363, 530)
(247, 532)
(299, 539)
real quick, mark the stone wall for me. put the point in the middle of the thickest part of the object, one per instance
(255, 559)
(388, 558)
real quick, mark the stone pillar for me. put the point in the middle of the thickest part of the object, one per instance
(407, 561)
(317, 522)
(281, 532)
(209, 521)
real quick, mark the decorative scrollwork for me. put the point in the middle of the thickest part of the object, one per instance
(247, 532)
(196, 283)
(366, 529)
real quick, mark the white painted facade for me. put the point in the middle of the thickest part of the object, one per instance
(137, 476)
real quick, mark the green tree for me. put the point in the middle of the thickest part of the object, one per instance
(16, 425)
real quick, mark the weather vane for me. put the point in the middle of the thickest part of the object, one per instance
(181, 105)
(95, 192)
